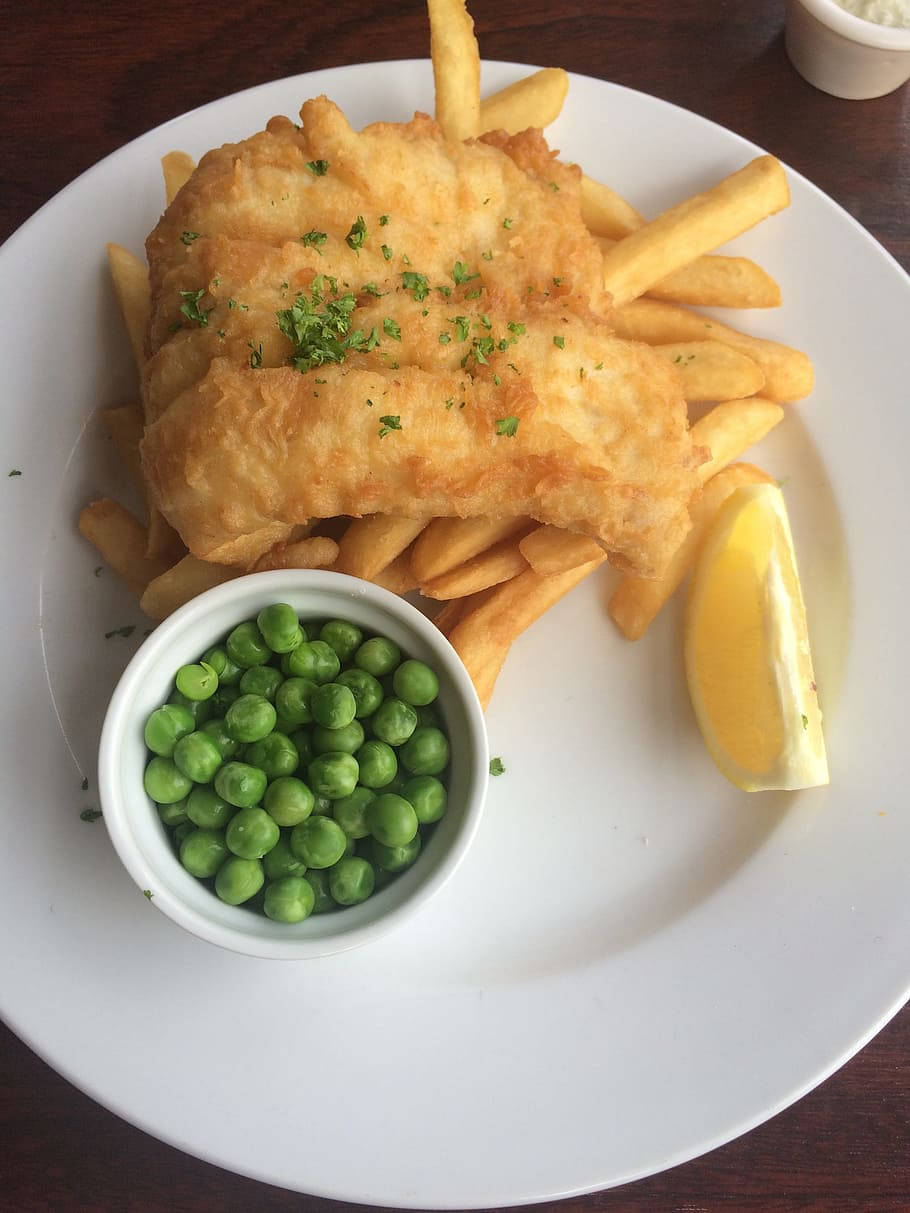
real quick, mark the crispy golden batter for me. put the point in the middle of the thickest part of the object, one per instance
(484, 379)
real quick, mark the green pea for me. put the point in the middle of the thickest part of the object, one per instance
(416, 683)
(345, 638)
(173, 814)
(318, 842)
(289, 800)
(217, 730)
(392, 820)
(351, 881)
(350, 812)
(201, 709)
(198, 757)
(237, 880)
(203, 852)
(240, 784)
(304, 745)
(166, 726)
(333, 775)
(180, 832)
(197, 681)
(394, 859)
(164, 782)
(428, 796)
(333, 705)
(280, 627)
(251, 833)
(318, 880)
(261, 680)
(228, 673)
(316, 660)
(342, 741)
(293, 699)
(222, 700)
(377, 762)
(246, 646)
(426, 752)
(281, 861)
(397, 784)
(206, 809)
(290, 899)
(378, 656)
(365, 688)
(394, 721)
(250, 718)
(276, 755)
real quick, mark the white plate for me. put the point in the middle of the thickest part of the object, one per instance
(635, 963)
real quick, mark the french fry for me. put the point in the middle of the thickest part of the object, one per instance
(124, 425)
(549, 550)
(712, 371)
(636, 601)
(714, 281)
(788, 372)
(131, 284)
(456, 609)
(536, 100)
(314, 552)
(731, 428)
(177, 168)
(397, 577)
(695, 226)
(495, 565)
(186, 579)
(484, 636)
(605, 213)
(448, 542)
(456, 68)
(370, 544)
(121, 540)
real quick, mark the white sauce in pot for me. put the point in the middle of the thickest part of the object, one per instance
(882, 12)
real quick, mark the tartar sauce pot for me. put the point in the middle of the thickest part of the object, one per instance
(848, 55)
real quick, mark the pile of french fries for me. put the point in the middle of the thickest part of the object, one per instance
(495, 576)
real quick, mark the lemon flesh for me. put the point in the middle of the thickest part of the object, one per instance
(748, 662)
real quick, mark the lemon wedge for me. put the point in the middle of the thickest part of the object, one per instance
(747, 655)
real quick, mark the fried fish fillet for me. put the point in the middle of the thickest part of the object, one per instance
(387, 322)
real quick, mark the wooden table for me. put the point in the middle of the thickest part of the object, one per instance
(76, 82)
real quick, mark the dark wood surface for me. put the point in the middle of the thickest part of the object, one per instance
(79, 79)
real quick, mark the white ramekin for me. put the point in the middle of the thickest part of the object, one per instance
(845, 55)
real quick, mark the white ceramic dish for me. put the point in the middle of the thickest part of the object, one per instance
(843, 54)
(143, 844)
(635, 963)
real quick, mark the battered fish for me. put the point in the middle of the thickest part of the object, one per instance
(386, 322)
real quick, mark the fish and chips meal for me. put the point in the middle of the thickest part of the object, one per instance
(435, 356)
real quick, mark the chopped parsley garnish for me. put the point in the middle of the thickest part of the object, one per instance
(191, 309)
(90, 814)
(370, 288)
(581, 372)
(514, 367)
(444, 290)
(356, 236)
(599, 366)
(386, 252)
(416, 283)
(389, 423)
(124, 631)
(444, 338)
(805, 719)
(189, 237)
(383, 220)
(484, 321)
(516, 328)
(507, 426)
(475, 294)
(148, 893)
(503, 345)
(314, 239)
(99, 569)
(496, 767)
(222, 334)
(255, 356)
(318, 168)
(450, 402)
(557, 282)
(488, 255)
(560, 342)
(405, 258)
(319, 328)
(461, 274)
(482, 347)
(84, 784)
(14, 472)
(507, 223)
(369, 402)
(497, 380)
(232, 303)
(391, 328)
(462, 328)
(554, 187)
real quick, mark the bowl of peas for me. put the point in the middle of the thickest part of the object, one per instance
(293, 763)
